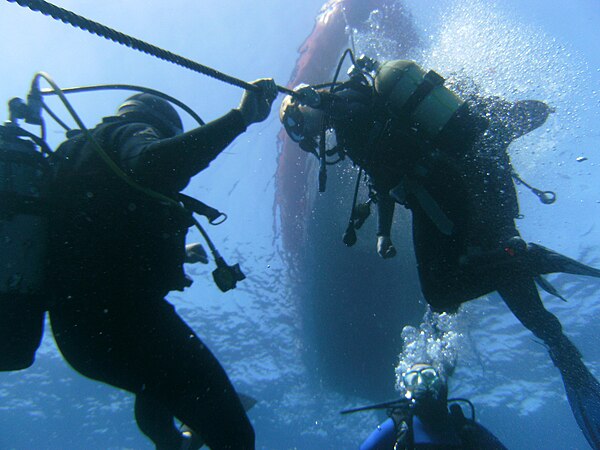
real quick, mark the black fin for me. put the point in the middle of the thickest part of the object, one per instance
(545, 285)
(247, 401)
(526, 115)
(584, 397)
(545, 261)
(583, 390)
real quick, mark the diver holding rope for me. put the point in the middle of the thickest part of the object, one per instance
(117, 253)
(115, 225)
(446, 160)
(99, 226)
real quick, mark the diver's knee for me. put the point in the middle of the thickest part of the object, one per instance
(441, 300)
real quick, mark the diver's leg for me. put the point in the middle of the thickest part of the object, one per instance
(185, 377)
(583, 390)
(94, 335)
(156, 422)
(522, 297)
(91, 332)
(141, 345)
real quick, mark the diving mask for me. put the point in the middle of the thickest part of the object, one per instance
(422, 380)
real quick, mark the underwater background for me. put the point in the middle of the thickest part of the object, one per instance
(517, 49)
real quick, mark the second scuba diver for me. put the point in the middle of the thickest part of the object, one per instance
(446, 160)
(426, 418)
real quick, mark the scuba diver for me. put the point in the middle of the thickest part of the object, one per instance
(445, 159)
(425, 418)
(115, 254)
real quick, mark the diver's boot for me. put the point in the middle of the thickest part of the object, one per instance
(543, 260)
(583, 390)
(189, 439)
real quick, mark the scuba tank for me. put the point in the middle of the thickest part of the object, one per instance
(24, 177)
(418, 98)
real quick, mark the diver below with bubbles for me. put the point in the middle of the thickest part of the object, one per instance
(445, 158)
(424, 417)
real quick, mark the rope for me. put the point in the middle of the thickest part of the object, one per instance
(77, 21)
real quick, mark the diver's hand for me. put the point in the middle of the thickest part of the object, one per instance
(385, 248)
(256, 106)
(307, 95)
(195, 253)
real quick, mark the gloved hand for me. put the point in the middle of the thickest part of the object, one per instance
(385, 248)
(307, 95)
(195, 253)
(256, 106)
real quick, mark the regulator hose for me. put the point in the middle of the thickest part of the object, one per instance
(222, 266)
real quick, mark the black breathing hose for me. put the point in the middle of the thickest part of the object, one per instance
(127, 87)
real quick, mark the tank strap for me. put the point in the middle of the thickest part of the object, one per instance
(430, 81)
(411, 186)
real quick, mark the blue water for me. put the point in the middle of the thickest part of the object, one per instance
(515, 48)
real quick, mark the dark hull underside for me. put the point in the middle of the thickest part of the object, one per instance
(353, 304)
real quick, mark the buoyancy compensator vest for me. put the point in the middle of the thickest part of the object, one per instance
(24, 178)
(417, 98)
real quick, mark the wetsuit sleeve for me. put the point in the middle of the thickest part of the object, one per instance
(383, 438)
(346, 106)
(173, 161)
(385, 213)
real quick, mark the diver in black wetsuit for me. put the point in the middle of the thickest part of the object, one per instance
(446, 160)
(116, 254)
(426, 419)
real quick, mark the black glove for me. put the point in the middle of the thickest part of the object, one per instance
(256, 106)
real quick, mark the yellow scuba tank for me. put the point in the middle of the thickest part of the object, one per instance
(24, 174)
(418, 98)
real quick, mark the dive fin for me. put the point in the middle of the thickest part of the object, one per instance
(584, 397)
(247, 401)
(545, 285)
(583, 390)
(545, 260)
(525, 116)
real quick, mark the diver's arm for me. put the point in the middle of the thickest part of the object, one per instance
(147, 156)
(384, 436)
(173, 161)
(193, 151)
(385, 216)
(348, 105)
(385, 211)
